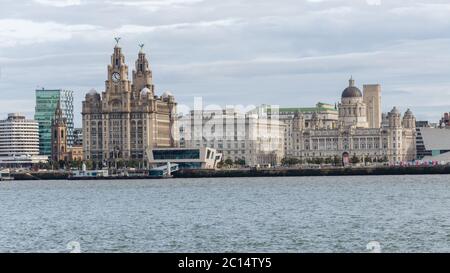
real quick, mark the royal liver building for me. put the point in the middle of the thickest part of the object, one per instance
(128, 118)
(360, 130)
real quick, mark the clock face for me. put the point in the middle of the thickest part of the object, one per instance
(116, 77)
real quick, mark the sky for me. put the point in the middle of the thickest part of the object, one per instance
(291, 53)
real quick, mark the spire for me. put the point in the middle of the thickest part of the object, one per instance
(142, 62)
(351, 82)
(58, 117)
(58, 111)
(117, 41)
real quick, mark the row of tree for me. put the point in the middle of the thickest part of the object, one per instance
(90, 164)
(287, 161)
(336, 160)
(229, 163)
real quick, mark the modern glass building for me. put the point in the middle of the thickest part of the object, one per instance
(46, 103)
(184, 158)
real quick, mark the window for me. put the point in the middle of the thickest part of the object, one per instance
(176, 154)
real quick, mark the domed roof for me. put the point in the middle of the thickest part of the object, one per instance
(351, 91)
(408, 112)
(167, 94)
(92, 92)
(145, 91)
(395, 110)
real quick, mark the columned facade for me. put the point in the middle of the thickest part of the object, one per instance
(393, 140)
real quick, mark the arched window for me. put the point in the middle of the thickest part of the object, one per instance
(116, 106)
(62, 133)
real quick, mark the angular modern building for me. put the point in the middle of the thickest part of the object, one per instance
(432, 142)
(19, 142)
(46, 103)
(185, 158)
(127, 118)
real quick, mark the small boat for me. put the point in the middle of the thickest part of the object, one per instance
(164, 171)
(5, 175)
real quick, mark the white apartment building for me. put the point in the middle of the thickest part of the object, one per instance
(238, 135)
(19, 142)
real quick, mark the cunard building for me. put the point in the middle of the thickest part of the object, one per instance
(127, 118)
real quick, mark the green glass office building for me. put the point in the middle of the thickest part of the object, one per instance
(46, 103)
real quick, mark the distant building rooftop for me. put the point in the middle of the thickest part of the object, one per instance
(320, 107)
(435, 138)
(445, 157)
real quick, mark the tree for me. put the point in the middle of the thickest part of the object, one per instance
(317, 160)
(329, 160)
(133, 164)
(61, 164)
(337, 160)
(120, 164)
(290, 161)
(355, 159)
(89, 165)
(228, 162)
(240, 162)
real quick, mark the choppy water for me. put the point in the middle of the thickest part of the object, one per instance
(322, 214)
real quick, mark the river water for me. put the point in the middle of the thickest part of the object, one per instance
(285, 214)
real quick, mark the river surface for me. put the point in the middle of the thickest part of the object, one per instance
(286, 214)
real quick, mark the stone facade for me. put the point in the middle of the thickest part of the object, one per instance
(372, 99)
(327, 114)
(393, 140)
(75, 153)
(127, 118)
(59, 136)
(239, 136)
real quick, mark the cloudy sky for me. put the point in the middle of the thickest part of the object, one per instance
(285, 52)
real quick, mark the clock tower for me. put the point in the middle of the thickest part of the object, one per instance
(128, 118)
(117, 83)
(116, 102)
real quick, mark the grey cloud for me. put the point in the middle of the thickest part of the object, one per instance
(287, 52)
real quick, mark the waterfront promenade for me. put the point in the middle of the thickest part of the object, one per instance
(272, 172)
